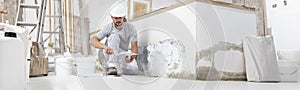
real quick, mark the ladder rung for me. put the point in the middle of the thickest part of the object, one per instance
(29, 6)
(51, 32)
(53, 16)
(56, 47)
(25, 24)
(51, 62)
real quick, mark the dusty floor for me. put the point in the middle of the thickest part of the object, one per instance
(80, 74)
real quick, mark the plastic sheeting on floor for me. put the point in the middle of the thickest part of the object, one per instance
(261, 61)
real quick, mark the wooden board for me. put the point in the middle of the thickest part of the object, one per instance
(38, 66)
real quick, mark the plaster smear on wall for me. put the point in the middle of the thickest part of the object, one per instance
(167, 54)
(11, 7)
(206, 59)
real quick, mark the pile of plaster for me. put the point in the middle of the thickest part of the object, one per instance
(161, 58)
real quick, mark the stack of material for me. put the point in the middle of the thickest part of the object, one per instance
(38, 61)
(260, 57)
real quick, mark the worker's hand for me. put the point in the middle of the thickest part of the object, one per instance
(108, 51)
(128, 60)
(132, 57)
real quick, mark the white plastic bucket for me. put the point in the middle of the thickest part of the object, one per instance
(12, 63)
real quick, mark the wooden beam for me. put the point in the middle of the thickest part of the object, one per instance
(179, 4)
(231, 5)
(151, 5)
(65, 21)
(50, 21)
(162, 10)
(128, 8)
(70, 16)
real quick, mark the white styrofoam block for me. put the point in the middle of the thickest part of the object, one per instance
(288, 70)
(293, 55)
(260, 58)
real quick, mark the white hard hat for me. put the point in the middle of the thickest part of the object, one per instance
(118, 11)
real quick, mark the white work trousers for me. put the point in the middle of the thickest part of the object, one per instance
(117, 59)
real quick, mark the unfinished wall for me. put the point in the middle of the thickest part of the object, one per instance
(206, 23)
(210, 23)
(178, 26)
(11, 7)
(220, 31)
(80, 33)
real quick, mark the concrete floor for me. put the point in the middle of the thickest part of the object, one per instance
(80, 74)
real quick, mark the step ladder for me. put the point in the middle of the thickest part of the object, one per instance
(57, 16)
(40, 11)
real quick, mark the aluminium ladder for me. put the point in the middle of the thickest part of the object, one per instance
(40, 11)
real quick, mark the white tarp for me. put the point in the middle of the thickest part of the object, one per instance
(261, 61)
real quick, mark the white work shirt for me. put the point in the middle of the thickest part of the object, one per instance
(127, 34)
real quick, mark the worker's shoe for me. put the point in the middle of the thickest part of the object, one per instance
(112, 71)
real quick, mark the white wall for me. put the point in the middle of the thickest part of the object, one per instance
(156, 4)
(207, 24)
(97, 12)
(217, 24)
(222, 24)
(187, 15)
(284, 21)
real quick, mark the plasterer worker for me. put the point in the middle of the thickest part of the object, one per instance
(120, 35)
